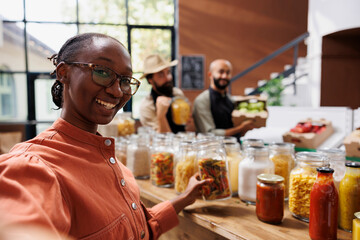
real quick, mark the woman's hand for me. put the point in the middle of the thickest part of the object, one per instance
(192, 191)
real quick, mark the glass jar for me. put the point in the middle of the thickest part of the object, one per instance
(356, 226)
(180, 108)
(282, 155)
(337, 159)
(349, 197)
(270, 192)
(323, 220)
(162, 161)
(125, 124)
(250, 142)
(186, 165)
(234, 156)
(302, 178)
(138, 156)
(121, 144)
(256, 161)
(212, 164)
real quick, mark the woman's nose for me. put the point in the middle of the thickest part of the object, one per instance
(115, 89)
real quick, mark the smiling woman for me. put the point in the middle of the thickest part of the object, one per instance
(68, 176)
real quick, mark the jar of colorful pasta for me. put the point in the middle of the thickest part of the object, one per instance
(212, 164)
(162, 161)
(302, 178)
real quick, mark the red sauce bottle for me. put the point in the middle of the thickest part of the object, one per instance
(270, 194)
(324, 197)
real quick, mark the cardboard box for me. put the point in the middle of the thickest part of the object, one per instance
(310, 140)
(238, 116)
(352, 144)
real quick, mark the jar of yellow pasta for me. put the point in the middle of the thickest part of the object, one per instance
(282, 155)
(356, 227)
(349, 195)
(180, 109)
(234, 156)
(186, 165)
(302, 178)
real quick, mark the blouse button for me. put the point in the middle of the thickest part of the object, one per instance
(107, 142)
(122, 182)
(133, 205)
(112, 160)
(142, 234)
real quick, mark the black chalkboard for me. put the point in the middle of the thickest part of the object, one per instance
(192, 72)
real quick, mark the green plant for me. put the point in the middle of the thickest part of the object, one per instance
(273, 89)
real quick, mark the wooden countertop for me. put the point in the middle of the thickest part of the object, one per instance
(227, 219)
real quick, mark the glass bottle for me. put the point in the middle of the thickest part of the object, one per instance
(349, 197)
(180, 108)
(138, 156)
(356, 226)
(250, 142)
(270, 193)
(302, 178)
(256, 161)
(121, 144)
(282, 155)
(337, 159)
(212, 163)
(186, 165)
(162, 161)
(323, 219)
(234, 156)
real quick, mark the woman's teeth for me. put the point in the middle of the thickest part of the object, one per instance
(106, 104)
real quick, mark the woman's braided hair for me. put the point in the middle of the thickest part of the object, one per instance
(68, 53)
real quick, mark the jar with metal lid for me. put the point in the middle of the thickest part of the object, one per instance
(138, 156)
(234, 156)
(270, 192)
(356, 226)
(256, 161)
(121, 144)
(180, 109)
(250, 142)
(349, 197)
(282, 155)
(337, 159)
(323, 220)
(162, 161)
(302, 178)
(186, 165)
(212, 164)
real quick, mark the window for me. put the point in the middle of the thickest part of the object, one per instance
(33, 30)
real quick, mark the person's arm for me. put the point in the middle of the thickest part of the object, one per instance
(202, 113)
(240, 129)
(162, 106)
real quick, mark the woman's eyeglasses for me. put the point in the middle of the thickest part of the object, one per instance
(106, 77)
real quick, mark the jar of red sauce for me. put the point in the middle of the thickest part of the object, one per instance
(270, 194)
(323, 220)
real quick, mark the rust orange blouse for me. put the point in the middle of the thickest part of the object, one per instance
(69, 180)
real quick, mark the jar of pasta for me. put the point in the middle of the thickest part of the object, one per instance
(186, 165)
(270, 198)
(282, 155)
(180, 109)
(337, 159)
(349, 195)
(256, 161)
(138, 156)
(162, 161)
(212, 164)
(234, 156)
(302, 178)
(356, 226)
(125, 124)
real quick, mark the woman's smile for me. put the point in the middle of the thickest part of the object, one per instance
(106, 105)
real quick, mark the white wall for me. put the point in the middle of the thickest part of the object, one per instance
(325, 17)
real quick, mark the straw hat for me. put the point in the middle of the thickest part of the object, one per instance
(155, 63)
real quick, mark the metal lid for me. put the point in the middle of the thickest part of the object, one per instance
(270, 178)
(353, 164)
(357, 215)
(325, 170)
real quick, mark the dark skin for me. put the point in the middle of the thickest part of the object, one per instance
(87, 104)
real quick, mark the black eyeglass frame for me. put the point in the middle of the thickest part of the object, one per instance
(92, 66)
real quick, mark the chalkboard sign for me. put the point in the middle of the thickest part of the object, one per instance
(192, 72)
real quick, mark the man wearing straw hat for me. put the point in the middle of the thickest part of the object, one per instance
(155, 108)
